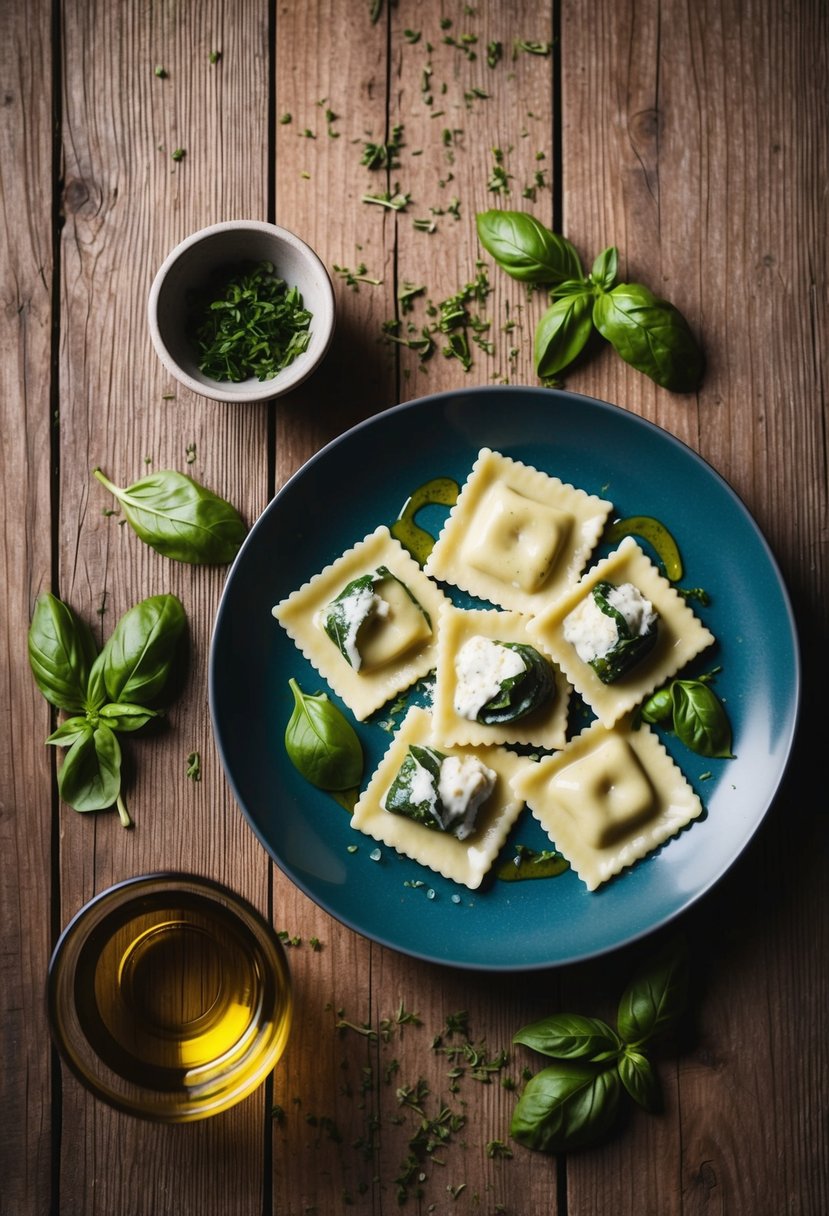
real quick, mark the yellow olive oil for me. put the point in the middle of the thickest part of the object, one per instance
(184, 1003)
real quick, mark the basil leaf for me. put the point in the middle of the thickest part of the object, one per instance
(125, 717)
(656, 996)
(180, 518)
(700, 720)
(640, 1080)
(605, 268)
(562, 333)
(61, 653)
(321, 743)
(69, 731)
(138, 657)
(525, 249)
(659, 706)
(90, 776)
(651, 335)
(569, 1036)
(566, 1106)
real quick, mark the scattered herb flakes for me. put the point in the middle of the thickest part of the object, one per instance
(190, 453)
(353, 278)
(278, 1113)
(384, 155)
(315, 944)
(530, 47)
(426, 224)
(178, 154)
(394, 201)
(214, 57)
(194, 766)
(160, 72)
(285, 119)
(496, 1149)
(406, 295)
(494, 53)
(412, 36)
(499, 180)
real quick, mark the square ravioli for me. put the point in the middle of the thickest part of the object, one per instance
(368, 622)
(608, 799)
(464, 861)
(679, 634)
(468, 662)
(516, 536)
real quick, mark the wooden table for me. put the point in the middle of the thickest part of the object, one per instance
(695, 138)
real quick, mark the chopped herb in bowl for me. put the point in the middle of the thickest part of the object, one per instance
(248, 323)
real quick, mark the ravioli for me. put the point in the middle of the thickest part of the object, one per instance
(680, 634)
(401, 645)
(608, 799)
(516, 536)
(544, 727)
(464, 861)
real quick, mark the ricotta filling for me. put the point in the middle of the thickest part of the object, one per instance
(593, 633)
(481, 667)
(357, 608)
(465, 784)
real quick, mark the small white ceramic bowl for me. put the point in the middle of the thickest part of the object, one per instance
(192, 263)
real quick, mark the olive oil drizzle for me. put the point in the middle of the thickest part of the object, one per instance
(440, 491)
(529, 863)
(656, 534)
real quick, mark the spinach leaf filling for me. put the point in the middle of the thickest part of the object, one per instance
(520, 694)
(440, 792)
(630, 646)
(356, 605)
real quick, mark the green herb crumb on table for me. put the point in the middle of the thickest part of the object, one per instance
(248, 324)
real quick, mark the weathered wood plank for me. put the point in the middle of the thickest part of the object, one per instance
(127, 203)
(684, 141)
(26, 805)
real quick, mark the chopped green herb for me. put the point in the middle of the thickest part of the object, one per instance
(530, 48)
(285, 118)
(412, 36)
(214, 56)
(194, 766)
(406, 294)
(160, 71)
(178, 154)
(190, 451)
(353, 278)
(427, 224)
(394, 201)
(384, 155)
(497, 1149)
(494, 52)
(251, 324)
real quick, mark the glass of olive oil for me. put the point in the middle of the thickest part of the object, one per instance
(170, 997)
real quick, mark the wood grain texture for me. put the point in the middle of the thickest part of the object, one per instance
(127, 202)
(693, 137)
(26, 799)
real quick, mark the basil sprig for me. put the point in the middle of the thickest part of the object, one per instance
(180, 518)
(696, 715)
(647, 332)
(321, 743)
(573, 1103)
(116, 691)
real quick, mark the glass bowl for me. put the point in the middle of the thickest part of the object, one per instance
(169, 997)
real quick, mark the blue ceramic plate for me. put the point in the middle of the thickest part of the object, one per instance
(361, 480)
